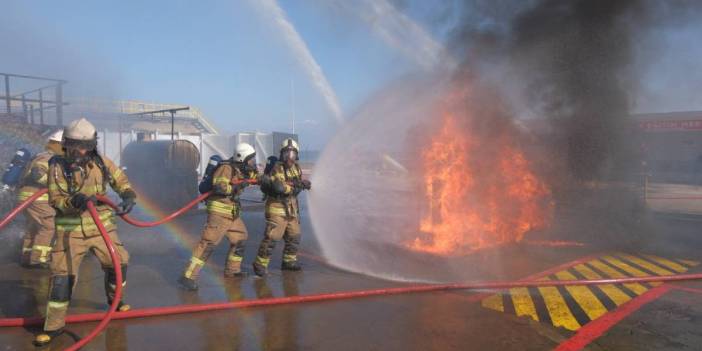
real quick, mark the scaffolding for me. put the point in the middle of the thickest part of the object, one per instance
(28, 98)
(142, 115)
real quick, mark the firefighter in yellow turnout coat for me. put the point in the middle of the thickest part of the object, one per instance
(282, 210)
(74, 180)
(39, 230)
(223, 210)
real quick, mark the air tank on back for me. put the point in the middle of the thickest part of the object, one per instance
(163, 172)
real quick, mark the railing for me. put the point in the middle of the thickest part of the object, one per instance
(132, 107)
(33, 104)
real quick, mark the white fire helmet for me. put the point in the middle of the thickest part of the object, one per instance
(56, 136)
(289, 150)
(244, 152)
(289, 143)
(80, 130)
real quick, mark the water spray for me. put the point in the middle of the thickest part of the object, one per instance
(105, 318)
(302, 54)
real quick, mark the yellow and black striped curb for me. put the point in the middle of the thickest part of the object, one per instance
(572, 307)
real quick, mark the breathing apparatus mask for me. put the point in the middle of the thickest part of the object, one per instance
(288, 155)
(79, 151)
(248, 165)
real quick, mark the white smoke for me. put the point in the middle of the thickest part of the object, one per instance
(273, 11)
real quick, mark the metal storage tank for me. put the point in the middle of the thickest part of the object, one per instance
(164, 172)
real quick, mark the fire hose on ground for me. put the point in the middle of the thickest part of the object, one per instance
(116, 264)
(184, 309)
(104, 318)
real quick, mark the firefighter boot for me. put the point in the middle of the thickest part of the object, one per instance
(46, 337)
(57, 306)
(263, 258)
(232, 268)
(234, 273)
(201, 254)
(292, 242)
(259, 268)
(25, 259)
(111, 286)
(188, 284)
(291, 266)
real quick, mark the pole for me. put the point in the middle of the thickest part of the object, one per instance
(121, 110)
(59, 104)
(292, 83)
(41, 106)
(172, 126)
(24, 107)
(7, 94)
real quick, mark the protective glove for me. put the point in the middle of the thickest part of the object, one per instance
(303, 184)
(296, 190)
(278, 187)
(125, 206)
(80, 201)
(128, 202)
(264, 179)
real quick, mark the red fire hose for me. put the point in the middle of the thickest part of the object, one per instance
(188, 206)
(117, 266)
(10, 216)
(142, 224)
(181, 309)
(137, 223)
(104, 318)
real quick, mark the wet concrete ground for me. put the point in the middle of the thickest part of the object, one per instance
(428, 321)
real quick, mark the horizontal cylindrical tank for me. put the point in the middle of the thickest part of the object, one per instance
(165, 172)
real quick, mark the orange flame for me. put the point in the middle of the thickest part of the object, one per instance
(475, 200)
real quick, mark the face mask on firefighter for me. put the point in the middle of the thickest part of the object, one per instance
(249, 163)
(79, 151)
(78, 155)
(289, 155)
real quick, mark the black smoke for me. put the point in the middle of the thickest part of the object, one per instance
(574, 63)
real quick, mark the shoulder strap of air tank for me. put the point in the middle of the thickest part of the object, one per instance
(62, 163)
(106, 175)
(285, 171)
(299, 170)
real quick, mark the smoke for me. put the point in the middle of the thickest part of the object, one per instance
(572, 62)
(273, 11)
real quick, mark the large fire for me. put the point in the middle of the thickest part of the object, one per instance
(479, 193)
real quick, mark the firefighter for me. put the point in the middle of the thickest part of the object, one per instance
(282, 209)
(74, 180)
(223, 216)
(39, 230)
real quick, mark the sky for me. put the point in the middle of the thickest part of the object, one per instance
(234, 59)
(226, 57)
